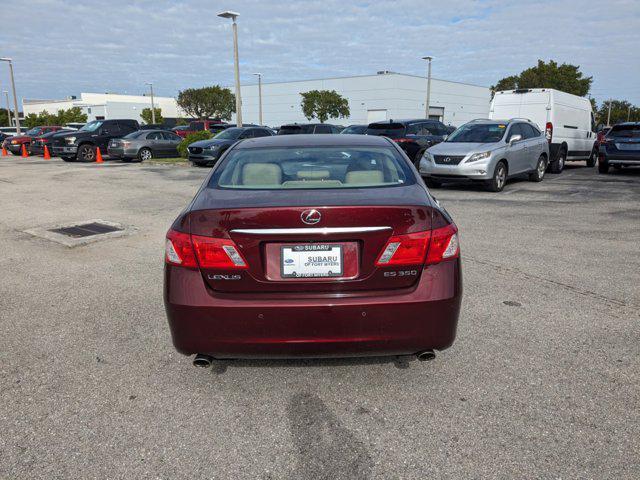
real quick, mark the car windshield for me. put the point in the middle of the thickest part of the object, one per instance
(34, 131)
(312, 168)
(478, 133)
(91, 126)
(136, 134)
(229, 134)
(625, 131)
(386, 129)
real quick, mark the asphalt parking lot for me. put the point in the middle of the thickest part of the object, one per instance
(542, 382)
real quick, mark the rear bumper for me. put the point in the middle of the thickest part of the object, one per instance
(620, 157)
(321, 325)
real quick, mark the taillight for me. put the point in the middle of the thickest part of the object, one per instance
(548, 131)
(179, 250)
(218, 253)
(207, 252)
(414, 248)
(402, 140)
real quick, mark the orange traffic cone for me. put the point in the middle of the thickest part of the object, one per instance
(98, 156)
(4, 151)
(24, 151)
(47, 156)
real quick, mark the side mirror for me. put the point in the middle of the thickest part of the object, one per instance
(514, 139)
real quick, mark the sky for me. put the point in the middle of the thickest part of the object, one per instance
(65, 47)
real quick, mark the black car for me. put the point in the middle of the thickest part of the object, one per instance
(308, 128)
(620, 147)
(207, 152)
(38, 143)
(82, 145)
(413, 136)
(355, 130)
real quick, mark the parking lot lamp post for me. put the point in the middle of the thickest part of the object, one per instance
(259, 75)
(15, 98)
(426, 108)
(233, 16)
(6, 96)
(153, 109)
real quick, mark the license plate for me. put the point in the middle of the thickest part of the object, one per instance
(311, 261)
(628, 146)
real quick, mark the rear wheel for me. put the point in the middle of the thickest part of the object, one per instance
(538, 174)
(144, 154)
(499, 180)
(558, 165)
(86, 153)
(603, 166)
(593, 159)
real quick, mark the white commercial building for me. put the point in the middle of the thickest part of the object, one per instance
(100, 106)
(384, 96)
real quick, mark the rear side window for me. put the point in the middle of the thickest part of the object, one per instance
(289, 129)
(171, 136)
(154, 136)
(312, 168)
(625, 131)
(260, 132)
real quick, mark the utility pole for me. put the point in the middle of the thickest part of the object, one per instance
(426, 107)
(153, 108)
(259, 75)
(609, 115)
(233, 16)
(629, 113)
(15, 97)
(6, 96)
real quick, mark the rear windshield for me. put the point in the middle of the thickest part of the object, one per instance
(312, 168)
(386, 129)
(625, 131)
(478, 133)
(295, 129)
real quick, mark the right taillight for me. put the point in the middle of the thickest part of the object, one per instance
(548, 131)
(195, 251)
(426, 247)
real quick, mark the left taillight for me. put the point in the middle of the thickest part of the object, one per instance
(428, 247)
(195, 251)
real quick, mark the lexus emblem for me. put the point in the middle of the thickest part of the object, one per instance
(310, 217)
(447, 160)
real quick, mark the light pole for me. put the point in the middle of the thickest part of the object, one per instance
(609, 115)
(259, 75)
(6, 96)
(426, 107)
(233, 16)
(15, 97)
(153, 108)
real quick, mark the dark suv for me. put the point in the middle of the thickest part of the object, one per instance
(81, 145)
(308, 128)
(620, 147)
(413, 136)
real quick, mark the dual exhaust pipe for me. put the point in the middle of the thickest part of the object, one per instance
(204, 361)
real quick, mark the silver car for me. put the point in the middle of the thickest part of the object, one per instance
(144, 145)
(490, 151)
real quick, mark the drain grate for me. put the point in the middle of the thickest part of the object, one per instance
(86, 230)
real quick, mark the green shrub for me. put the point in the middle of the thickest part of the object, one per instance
(189, 139)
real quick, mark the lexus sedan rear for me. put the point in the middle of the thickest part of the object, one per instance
(312, 246)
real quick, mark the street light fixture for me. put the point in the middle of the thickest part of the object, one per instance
(259, 75)
(233, 16)
(153, 109)
(426, 107)
(13, 87)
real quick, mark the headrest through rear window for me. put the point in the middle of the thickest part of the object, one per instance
(255, 174)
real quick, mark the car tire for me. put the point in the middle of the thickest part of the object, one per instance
(499, 179)
(593, 159)
(86, 153)
(431, 183)
(558, 164)
(538, 174)
(144, 154)
(603, 166)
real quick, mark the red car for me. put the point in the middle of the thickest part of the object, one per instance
(312, 246)
(14, 144)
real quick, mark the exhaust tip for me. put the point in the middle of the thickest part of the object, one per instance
(426, 356)
(203, 361)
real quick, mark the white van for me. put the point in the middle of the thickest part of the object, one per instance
(566, 119)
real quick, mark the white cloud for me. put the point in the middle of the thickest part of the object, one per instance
(62, 47)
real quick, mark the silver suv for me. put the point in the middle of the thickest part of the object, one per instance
(489, 151)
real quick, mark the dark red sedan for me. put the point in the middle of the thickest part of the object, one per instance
(312, 246)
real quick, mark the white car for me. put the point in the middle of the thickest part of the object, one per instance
(566, 119)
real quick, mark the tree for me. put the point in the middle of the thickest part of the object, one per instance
(4, 118)
(567, 78)
(148, 118)
(620, 111)
(324, 104)
(208, 102)
(61, 117)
